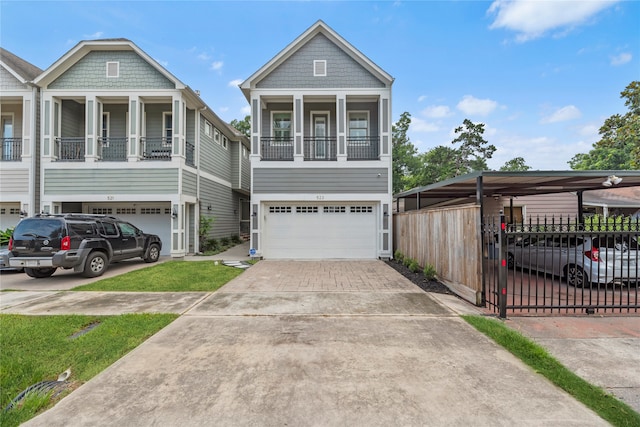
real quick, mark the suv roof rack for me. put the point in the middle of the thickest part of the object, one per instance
(76, 215)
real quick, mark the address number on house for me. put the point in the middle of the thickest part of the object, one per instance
(319, 197)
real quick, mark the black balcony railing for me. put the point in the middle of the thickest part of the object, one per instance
(363, 148)
(70, 149)
(112, 149)
(277, 148)
(190, 150)
(11, 149)
(156, 148)
(320, 149)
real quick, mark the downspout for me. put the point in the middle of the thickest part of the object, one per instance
(479, 201)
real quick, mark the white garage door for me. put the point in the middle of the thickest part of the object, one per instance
(152, 218)
(9, 215)
(309, 231)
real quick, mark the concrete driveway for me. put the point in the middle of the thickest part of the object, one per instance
(318, 344)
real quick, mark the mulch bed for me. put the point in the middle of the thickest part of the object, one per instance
(419, 280)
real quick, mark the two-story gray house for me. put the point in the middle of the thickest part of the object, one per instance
(320, 151)
(19, 136)
(122, 136)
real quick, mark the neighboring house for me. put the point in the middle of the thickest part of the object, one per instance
(122, 136)
(613, 201)
(19, 135)
(320, 151)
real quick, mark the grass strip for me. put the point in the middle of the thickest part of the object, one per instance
(604, 404)
(37, 348)
(170, 276)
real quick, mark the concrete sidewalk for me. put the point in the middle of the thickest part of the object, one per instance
(261, 351)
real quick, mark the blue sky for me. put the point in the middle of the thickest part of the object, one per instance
(542, 75)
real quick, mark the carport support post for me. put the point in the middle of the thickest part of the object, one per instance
(502, 268)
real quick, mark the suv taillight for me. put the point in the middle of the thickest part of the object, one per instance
(65, 244)
(10, 244)
(593, 254)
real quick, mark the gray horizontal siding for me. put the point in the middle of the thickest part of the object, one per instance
(342, 70)
(316, 180)
(90, 72)
(117, 119)
(246, 174)
(14, 181)
(214, 159)
(223, 201)
(189, 184)
(234, 149)
(110, 181)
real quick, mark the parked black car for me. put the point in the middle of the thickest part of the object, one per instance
(86, 243)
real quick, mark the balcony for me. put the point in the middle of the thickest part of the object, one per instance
(70, 149)
(363, 148)
(156, 148)
(320, 149)
(112, 149)
(277, 148)
(11, 149)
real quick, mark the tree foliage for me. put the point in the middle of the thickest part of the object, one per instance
(474, 150)
(517, 164)
(243, 125)
(619, 144)
(406, 164)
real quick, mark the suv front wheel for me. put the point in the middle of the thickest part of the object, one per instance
(154, 253)
(95, 265)
(39, 273)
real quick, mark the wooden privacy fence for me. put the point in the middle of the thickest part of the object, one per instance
(448, 239)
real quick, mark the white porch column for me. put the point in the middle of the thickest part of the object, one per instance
(297, 120)
(342, 126)
(92, 129)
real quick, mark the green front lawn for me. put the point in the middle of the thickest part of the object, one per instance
(170, 276)
(39, 348)
(601, 402)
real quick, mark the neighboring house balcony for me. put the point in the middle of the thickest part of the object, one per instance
(110, 137)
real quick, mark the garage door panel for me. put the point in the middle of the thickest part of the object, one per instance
(316, 232)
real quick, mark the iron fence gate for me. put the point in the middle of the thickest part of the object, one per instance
(551, 266)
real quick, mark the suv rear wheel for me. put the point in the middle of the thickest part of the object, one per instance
(95, 265)
(39, 273)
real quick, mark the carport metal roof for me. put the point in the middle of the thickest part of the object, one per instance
(476, 185)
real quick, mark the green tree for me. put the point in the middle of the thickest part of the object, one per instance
(243, 125)
(474, 150)
(438, 164)
(405, 160)
(517, 164)
(619, 144)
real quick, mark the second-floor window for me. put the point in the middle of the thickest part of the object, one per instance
(281, 128)
(358, 126)
(105, 129)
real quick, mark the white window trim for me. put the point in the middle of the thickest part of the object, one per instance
(117, 69)
(106, 118)
(365, 112)
(272, 129)
(207, 128)
(225, 142)
(216, 135)
(8, 148)
(317, 63)
(167, 141)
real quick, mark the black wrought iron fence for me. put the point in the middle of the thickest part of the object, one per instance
(363, 148)
(70, 149)
(112, 149)
(553, 265)
(319, 149)
(156, 148)
(11, 149)
(277, 148)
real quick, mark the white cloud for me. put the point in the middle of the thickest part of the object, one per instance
(204, 57)
(570, 112)
(246, 110)
(621, 59)
(533, 19)
(474, 106)
(95, 35)
(217, 65)
(235, 83)
(436, 111)
(422, 98)
(223, 109)
(589, 130)
(419, 125)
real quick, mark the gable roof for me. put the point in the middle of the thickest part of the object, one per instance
(318, 28)
(22, 70)
(84, 47)
(613, 197)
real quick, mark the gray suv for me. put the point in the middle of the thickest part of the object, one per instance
(86, 243)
